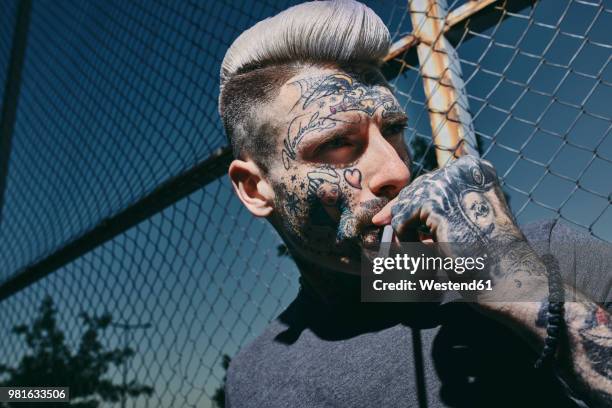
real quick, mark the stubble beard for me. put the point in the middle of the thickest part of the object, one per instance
(344, 239)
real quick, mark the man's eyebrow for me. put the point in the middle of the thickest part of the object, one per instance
(393, 118)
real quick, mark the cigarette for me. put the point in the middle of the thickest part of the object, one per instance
(387, 237)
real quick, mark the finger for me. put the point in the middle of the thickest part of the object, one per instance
(383, 217)
(406, 214)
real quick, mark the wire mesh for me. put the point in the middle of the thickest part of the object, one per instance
(120, 97)
(537, 81)
(203, 273)
(117, 98)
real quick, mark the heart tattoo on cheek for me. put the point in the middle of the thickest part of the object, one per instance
(353, 177)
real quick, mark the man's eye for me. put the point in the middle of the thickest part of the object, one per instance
(338, 150)
(335, 144)
(393, 130)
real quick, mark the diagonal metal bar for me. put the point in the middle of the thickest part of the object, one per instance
(480, 14)
(162, 197)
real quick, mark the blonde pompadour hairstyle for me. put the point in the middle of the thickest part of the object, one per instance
(262, 58)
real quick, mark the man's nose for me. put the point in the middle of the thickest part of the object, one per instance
(389, 172)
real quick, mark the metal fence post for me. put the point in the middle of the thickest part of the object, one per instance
(11, 91)
(451, 123)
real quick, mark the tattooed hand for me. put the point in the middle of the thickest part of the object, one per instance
(464, 204)
(461, 203)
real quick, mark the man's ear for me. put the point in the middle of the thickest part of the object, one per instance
(251, 187)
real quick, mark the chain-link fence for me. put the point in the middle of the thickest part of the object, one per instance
(116, 199)
(537, 79)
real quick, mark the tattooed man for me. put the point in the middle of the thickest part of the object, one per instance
(319, 151)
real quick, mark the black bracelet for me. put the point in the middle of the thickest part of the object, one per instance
(554, 316)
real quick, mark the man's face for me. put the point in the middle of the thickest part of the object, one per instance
(341, 158)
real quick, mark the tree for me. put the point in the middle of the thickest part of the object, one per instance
(219, 395)
(50, 362)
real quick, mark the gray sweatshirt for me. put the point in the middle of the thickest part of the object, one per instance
(410, 354)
